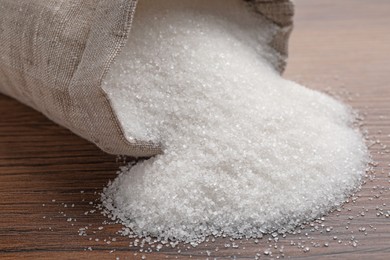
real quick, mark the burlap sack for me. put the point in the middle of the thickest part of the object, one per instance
(54, 55)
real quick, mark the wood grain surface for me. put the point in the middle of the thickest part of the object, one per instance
(49, 178)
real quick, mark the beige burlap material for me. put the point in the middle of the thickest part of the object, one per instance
(54, 55)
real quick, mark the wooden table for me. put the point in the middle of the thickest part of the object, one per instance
(49, 177)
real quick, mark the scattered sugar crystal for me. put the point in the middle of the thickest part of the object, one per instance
(245, 151)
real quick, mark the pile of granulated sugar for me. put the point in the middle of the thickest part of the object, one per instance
(245, 151)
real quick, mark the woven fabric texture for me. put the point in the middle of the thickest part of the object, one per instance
(54, 55)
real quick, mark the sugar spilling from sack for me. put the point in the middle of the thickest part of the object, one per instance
(245, 151)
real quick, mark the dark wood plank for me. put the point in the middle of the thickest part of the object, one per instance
(48, 175)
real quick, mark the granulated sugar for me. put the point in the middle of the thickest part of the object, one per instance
(245, 151)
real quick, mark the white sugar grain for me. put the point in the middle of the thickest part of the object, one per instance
(245, 151)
